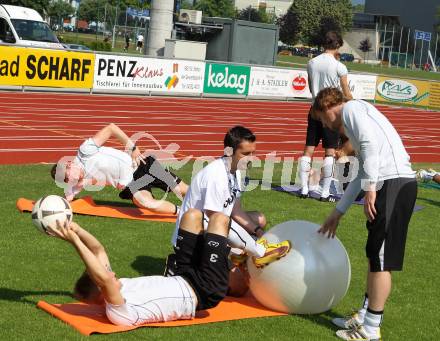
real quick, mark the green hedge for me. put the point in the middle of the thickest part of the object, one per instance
(97, 45)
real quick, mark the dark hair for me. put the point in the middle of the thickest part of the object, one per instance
(332, 41)
(326, 99)
(85, 289)
(236, 135)
(53, 171)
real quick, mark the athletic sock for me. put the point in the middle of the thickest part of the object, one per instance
(373, 320)
(305, 164)
(239, 238)
(327, 168)
(363, 310)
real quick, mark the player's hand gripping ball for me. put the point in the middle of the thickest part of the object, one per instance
(47, 210)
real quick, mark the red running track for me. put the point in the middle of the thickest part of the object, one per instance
(43, 127)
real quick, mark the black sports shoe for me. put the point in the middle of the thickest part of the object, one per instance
(304, 196)
(170, 265)
(330, 198)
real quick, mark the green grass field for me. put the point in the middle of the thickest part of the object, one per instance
(81, 38)
(36, 267)
(296, 61)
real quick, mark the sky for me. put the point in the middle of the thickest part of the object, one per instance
(355, 2)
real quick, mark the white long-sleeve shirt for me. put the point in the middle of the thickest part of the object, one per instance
(378, 147)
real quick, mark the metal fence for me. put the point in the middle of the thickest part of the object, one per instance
(408, 48)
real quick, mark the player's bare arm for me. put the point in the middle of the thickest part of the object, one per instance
(103, 278)
(244, 219)
(92, 244)
(112, 130)
(345, 88)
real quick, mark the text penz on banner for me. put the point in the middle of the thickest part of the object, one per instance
(137, 74)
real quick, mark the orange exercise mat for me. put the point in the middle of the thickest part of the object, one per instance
(87, 206)
(88, 319)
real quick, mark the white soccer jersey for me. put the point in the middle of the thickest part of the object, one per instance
(325, 71)
(153, 299)
(214, 188)
(378, 146)
(107, 166)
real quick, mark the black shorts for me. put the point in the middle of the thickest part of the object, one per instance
(204, 266)
(316, 132)
(150, 175)
(387, 233)
(139, 44)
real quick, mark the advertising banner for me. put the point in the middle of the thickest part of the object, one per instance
(226, 79)
(294, 83)
(148, 74)
(434, 95)
(299, 86)
(48, 68)
(362, 86)
(278, 82)
(402, 91)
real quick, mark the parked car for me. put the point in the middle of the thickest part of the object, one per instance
(346, 57)
(68, 27)
(77, 47)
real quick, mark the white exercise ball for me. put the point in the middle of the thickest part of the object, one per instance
(312, 278)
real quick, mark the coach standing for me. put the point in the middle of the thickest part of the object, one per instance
(323, 71)
(386, 176)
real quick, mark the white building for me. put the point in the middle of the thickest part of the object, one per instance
(75, 5)
(280, 7)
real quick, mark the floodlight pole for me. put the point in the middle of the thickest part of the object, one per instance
(415, 44)
(105, 20)
(429, 49)
(435, 51)
(126, 17)
(400, 45)
(114, 36)
(407, 47)
(114, 26)
(160, 27)
(390, 55)
(383, 45)
(421, 54)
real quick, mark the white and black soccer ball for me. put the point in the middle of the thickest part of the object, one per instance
(47, 210)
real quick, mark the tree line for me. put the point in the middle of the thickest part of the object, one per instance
(306, 21)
